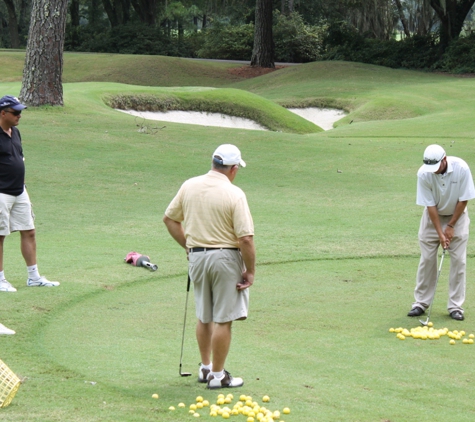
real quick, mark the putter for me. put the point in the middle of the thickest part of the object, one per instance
(436, 281)
(185, 374)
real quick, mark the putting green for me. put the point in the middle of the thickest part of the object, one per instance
(130, 337)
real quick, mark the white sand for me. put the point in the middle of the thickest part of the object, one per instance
(198, 118)
(323, 117)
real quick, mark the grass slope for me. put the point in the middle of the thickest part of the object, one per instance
(336, 235)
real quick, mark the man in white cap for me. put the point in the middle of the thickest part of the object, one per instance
(444, 186)
(15, 206)
(218, 236)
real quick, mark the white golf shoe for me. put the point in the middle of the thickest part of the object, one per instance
(5, 330)
(5, 286)
(227, 381)
(41, 282)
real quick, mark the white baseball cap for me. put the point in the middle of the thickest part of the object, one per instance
(433, 155)
(229, 155)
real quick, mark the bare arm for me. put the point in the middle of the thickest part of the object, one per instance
(459, 209)
(434, 216)
(248, 252)
(176, 231)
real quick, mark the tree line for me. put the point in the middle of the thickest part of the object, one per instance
(421, 34)
(378, 19)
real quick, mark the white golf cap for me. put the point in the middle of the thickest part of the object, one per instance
(229, 155)
(433, 155)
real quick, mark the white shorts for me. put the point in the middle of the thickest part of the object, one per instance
(16, 213)
(215, 274)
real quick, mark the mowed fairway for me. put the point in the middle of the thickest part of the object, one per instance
(336, 235)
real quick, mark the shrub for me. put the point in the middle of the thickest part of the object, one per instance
(227, 42)
(296, 42)
(459, 56)
(133, 38)
(343, 42)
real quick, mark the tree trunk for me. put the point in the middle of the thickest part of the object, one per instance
(111, 13)
(452, 14)
(42, 74)
(146, 10)
(263, 51)
(12, 24)
(74, 12)
(402, 18)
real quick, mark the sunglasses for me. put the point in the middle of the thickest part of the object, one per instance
(432, 162)
(14, 112)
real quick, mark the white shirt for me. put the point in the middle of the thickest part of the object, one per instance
(445, 190)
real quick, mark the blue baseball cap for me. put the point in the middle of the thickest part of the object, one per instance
(12, 102)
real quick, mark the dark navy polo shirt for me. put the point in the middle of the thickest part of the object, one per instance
(12, 167)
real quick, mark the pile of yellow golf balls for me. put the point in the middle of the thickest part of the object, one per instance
(246, 408)
(430, 333)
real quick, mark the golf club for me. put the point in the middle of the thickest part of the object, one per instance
(436, 281)
(185, 374)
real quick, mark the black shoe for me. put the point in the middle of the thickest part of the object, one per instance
(416, 311)
(457, 315)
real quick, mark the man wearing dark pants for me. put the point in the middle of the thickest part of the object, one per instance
(444, 186)
(15, 206)
(218, 236)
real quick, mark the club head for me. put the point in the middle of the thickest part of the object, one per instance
(424, 322)
(185, 374)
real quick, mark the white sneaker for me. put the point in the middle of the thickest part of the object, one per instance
(41, 282)
(5, 286)
(5, 330)
(226, 382)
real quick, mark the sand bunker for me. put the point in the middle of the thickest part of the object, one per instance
(323, 117)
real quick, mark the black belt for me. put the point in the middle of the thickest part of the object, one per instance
(210, 249)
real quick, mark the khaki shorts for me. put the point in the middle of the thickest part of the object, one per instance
(16, 213)
(215, 274)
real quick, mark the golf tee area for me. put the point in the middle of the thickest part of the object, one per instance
(336, 234)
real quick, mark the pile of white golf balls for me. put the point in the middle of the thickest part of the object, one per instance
(430, 333)
(245, 407)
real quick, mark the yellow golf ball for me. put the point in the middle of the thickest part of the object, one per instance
(266, 399)
(286, 410)
(452, 341)
(171, 408)
(181, 404)
(155, 396)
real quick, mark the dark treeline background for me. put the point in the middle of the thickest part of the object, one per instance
(415, 34)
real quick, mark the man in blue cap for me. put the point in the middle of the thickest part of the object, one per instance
(15, 207)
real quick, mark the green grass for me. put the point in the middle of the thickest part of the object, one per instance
(337, 251)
